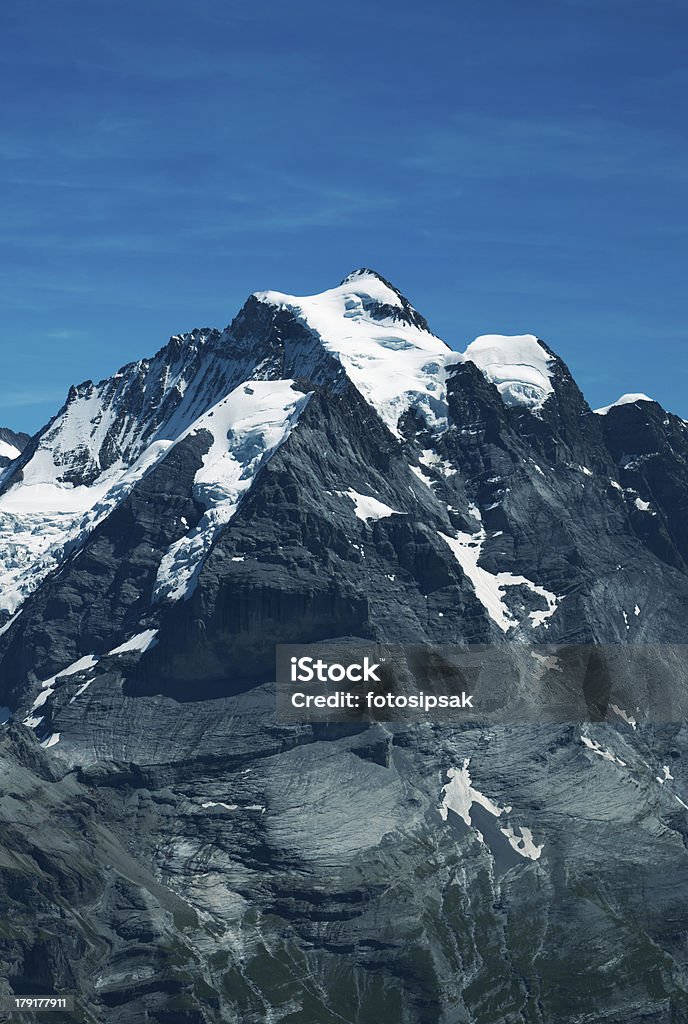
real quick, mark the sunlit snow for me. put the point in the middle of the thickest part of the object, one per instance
(598, 749)
(247, 427)
(393, 364)
(367, 507)
(459, 795)
(40, 516)
(141, 643)
(432, 460)
(423, 477)
(89, 661)
(490, 587)
(629, 719)
(8, 451)
(518, 366)
(523, 844)
(624, 400)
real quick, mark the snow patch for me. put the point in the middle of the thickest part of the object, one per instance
(82, 689)
(84, 664)
(140, 642)
(523, 844)
(432, 460)
(629, 719)
(459, 795)
(10, 622)
(367, 507)
(598, 749)
(417, 471)
(489, 587)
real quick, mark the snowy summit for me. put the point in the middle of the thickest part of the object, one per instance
(394, 360)
(219, 384)
(624, 400)
(518, 366)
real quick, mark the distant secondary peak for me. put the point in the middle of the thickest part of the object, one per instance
(520, 367)
(15, 439)
(624, 400)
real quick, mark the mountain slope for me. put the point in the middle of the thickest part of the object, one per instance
(327, 468)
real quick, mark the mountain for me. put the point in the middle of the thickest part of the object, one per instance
(326, 468)
(11, 445)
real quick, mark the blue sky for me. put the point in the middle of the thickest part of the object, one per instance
(510, 167)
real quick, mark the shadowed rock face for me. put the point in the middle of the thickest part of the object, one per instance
(177, 854)
(649, 448)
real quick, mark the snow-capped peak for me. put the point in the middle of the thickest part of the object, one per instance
(624, 400)
(394, 360)
(364, 275)
(383, 344)
(518, 365)
(109, 435)
(105, 438)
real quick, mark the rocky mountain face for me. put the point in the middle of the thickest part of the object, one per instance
(12, 445)
(327, 468)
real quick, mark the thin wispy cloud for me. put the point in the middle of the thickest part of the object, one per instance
(512, 165)
(584, 147)
(30, 397)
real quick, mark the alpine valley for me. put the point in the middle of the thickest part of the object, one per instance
(326, 468)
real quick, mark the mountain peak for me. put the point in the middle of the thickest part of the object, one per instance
(624, 400)
(12, 444)
(371, 293)
(15, 438)
(384, 345)
(518, 365)
(366, 272)
(368, 283)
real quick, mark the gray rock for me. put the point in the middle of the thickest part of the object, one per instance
(180, 855)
